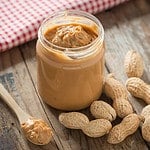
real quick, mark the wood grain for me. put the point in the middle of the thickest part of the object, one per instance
(14, 76)
(126, 27)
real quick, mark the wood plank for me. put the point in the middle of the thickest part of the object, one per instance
(14, 76)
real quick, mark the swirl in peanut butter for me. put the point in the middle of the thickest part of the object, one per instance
(71, 35)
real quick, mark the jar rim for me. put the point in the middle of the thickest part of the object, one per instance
(79, 13)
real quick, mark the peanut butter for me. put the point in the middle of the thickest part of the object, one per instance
(71, 35)
(37, 131)
(70, 59)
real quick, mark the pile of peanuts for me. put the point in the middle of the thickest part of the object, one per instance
(104, 113)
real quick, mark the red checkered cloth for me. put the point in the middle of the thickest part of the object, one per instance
(20, 19)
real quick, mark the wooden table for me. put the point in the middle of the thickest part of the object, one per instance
(126, 27)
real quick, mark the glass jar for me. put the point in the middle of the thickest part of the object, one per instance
(70, 78)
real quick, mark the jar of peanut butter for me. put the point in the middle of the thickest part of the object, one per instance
(70, 58)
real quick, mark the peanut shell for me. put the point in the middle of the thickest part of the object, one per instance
(128, 126)
(146, 111)
(114, 89)
(146, 125)
(118, 93)
(146, 129)
(97, 128)
(133, 64)
(102, 110)
(138, 88)
(73, 120)
(122, 107)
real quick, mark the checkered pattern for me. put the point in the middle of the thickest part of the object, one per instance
(20, 19)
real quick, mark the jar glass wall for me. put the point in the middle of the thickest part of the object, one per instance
(70, 78)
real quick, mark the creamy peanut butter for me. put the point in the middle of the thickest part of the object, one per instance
(37, 131)
(71, 35)
(70, 59)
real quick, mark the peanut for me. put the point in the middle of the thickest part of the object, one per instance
(102, 110)
(146, 111)
(133, 64)
(73, 120)
(127, 127)
(114, 89)
(118, 93)
(122, 107)
(146, 125)
(97, 128)
(138, 88)
(146, 130)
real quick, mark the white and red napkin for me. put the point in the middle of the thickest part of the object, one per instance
(20, 19)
